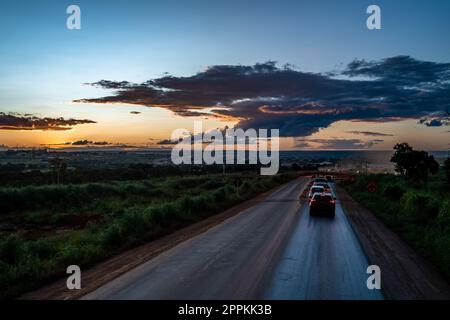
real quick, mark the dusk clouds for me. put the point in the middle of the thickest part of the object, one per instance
(88, 142)
(370, 133)
(299, 103)
(345, 144)
(14, 121)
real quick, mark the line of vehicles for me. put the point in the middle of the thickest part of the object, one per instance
(322, 200)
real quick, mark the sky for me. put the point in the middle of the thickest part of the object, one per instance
(335, 84)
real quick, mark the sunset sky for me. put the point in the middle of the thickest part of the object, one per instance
(137, 70)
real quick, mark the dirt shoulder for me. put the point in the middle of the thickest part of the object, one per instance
(113, 267)
(404, 274)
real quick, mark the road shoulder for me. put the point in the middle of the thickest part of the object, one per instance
(404, 274)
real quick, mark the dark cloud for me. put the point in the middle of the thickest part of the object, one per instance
(373, 142)
(298, 103)
(402, 70)
(372, 134)
(87, 142)
(433, 121)
(167, 142)
(348, 144)
(14, 121)
(81, 143)
(106, 84)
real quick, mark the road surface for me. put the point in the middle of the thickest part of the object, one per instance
(272, 250)
(323, 260)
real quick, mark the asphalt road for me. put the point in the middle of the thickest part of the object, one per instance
(323, 260)
(272, 250)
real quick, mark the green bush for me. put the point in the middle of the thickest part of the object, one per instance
(42, 248)
(11, 249)
(134, 225)
(187, 182)
(419, 206)
(111, 237)
(443, 218)
(393, 191)
(212, 184)
(66, 197)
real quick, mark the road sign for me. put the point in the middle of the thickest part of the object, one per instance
(372, 187)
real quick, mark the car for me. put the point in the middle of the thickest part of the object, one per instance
(325, 185)
(322, 204)
(320, 180)
(315, 189)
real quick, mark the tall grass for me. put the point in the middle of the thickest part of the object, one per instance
(26, 264)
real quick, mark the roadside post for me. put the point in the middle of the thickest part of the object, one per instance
(237, 184)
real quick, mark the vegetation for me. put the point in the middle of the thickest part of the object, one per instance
(47, 228)
(447, 169)
(419, 213)
(414, 165)
(19, 175)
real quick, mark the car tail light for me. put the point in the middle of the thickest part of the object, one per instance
(333, 201)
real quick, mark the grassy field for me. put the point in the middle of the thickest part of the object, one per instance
(419, 214)
(44, 229)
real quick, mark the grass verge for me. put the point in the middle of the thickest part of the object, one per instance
(156, 208)
(418, 214)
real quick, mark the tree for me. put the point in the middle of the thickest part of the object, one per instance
(447, 169)
(413, 164)
(401, 157)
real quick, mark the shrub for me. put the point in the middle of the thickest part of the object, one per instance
(247, 186)
(212, 184)
(134, 225)
(393, 191)
(111, 237)
(419, 206)
(443, 217)
(188, 182)
(11, 249)
(42, 248)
